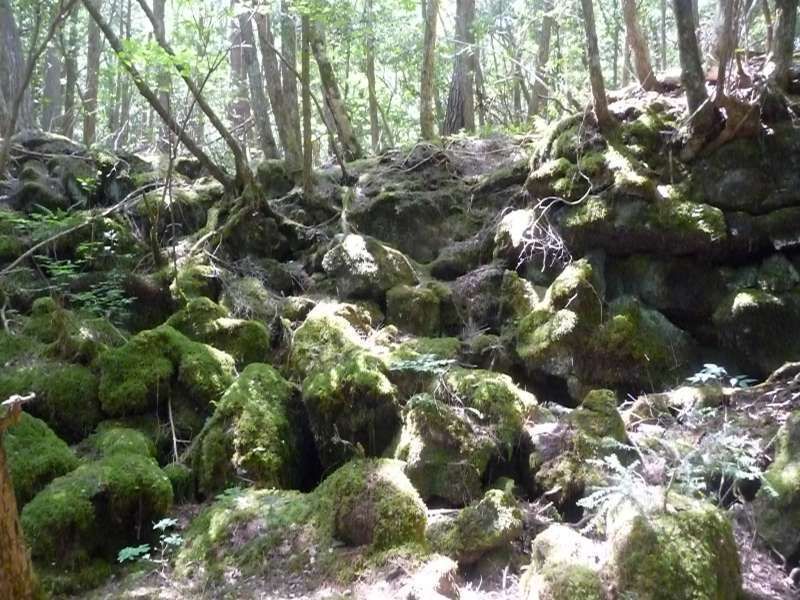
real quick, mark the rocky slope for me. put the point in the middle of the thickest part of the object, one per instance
(463, 374)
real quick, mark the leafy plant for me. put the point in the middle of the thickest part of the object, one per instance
(711, 373)
(168, 542)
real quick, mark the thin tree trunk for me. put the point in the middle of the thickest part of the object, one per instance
(692, 76)
(638, 44)
(125, 87)
(52, 96)
(239, 108)
(725, 43)
(768, 23)
(461, 101)
(604, 119)
(663, 35)
(374, 124)
(290, 140)
(12, 66)
(17, 581)
(308, 183)
(289, 69)
(152, 100)
(69, 51)
(333, 99)
(90, 106)
(164, 77)
(427, 77)
(780, 59)
(258, 98)
(538, 101)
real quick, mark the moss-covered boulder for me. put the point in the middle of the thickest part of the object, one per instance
(491, 523)
(597, 416)
(365, 268)
(35, 457)
(513, 237)
(372, 502)
(254, 434)
(352, 404)
(249, 298)
(204, 321)
(777, 506)
(114, 438)
(97, 509)
(752, 323)
(564, 565)
(445, 452)
(66, 394)
(414, 309)
(195, 280)
(477, 300)
(157, 362)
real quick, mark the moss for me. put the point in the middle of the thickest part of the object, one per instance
(96, 509)
(204, 321)
(568, 582)
(630, 178)
(592, 164)
(35, 457)
(690, 217)
(442, 348)
(251, 434)
(552, 169)
(10, 247)
(59, 581)
(414, 309)
(18, 348)
(598, 416)
(135, 375)
(497, 398)
(195, 280)
(371, 502)
(491, 523)
(321, 339)
(181, 478)
(446, 455)
(112, 439)
(690, 554)
(518, 297)
(66, 395)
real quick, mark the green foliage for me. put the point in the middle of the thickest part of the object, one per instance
(711, 373)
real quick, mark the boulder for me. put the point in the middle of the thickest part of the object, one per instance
(255, 433)
(365, 268)
(491, 523)
(414, 309)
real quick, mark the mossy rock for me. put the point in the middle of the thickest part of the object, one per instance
(204, 321)
(195, 280)
(134, 376)
(181, 478)
(253, 434)
(414, 309)
(598, 416)
(365, 268)
(752, 324)
(372, 502)
(36, 456)
(491, 523)
(777, 505)
(95, 510)
(111, 438)
(66, 395)
(687, 554)
(445, 452)
(249, 298)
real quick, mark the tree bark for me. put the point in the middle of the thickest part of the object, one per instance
(290, 139)
(461, 101)
(289, 68)
(604, 119)
(258, 98)
(12, 66)
(768, 23)
(663, 34)
(639, 48)
(692, 76)
(725, 43)
(16, 572)
(428, 71)
(90, 106)
(239, 108)
(538, 101)
(780, 59)
(152, 99)
(308, 182)
(52, 96)
(69, 49)
(165, 141)
(369, 67)
(333, 98)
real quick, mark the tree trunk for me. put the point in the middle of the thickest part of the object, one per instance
(290, 140)
(125, 87)
(461, 101)
(780, 59)
(239, 108)
(289, 68)
(12, 65)
(538, 102)
(638, 45)
(165, 140)
(90, 106)
(69, 49)
(428, 71)
(663, 35)
(258, 98)
(725, 43)
(308, 182)
(767, 23)
(604, 119)
(692, 76)
(52, 97)
(333, 99)
(374, 124)
(16, 573)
